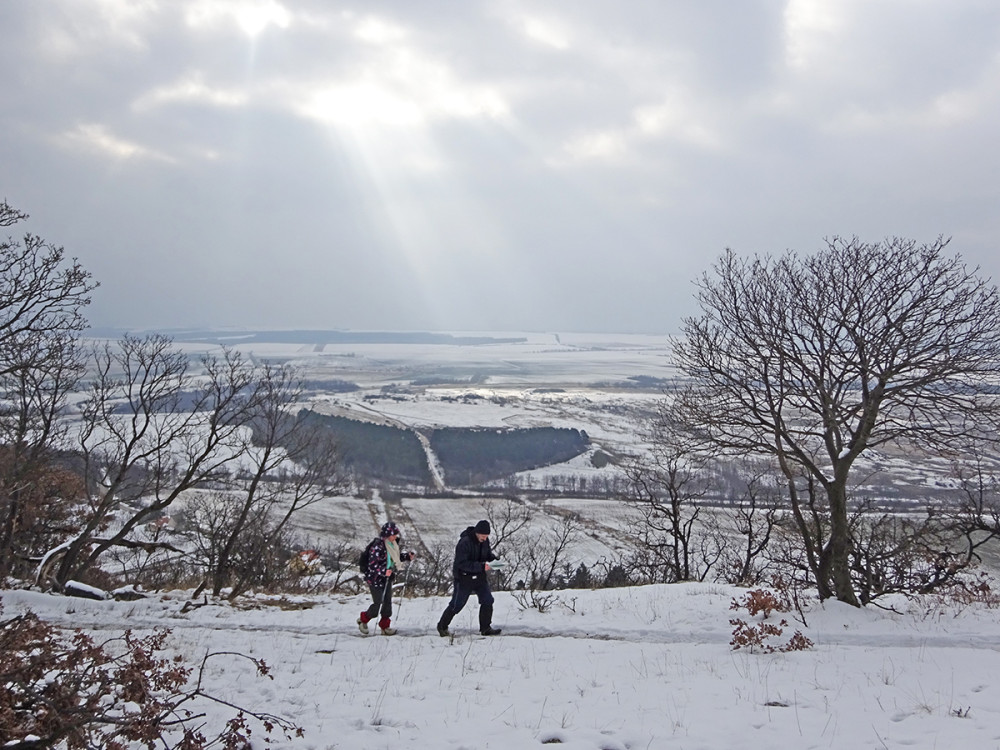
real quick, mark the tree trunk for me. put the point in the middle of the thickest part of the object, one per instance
(837, 564)
(7, 533)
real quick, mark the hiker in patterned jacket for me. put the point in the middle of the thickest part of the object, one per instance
(473, 556)
(384, 557)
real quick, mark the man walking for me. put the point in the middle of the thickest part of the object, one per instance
(472, 561)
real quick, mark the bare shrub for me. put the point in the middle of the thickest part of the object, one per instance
(256, 553)
(623, 570)
(432, 572)
(898, 553)
(528, 598)
(980, 591)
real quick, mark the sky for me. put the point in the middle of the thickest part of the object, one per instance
(489, 165)
(611, 669)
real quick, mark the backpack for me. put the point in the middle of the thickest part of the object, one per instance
(363, 560)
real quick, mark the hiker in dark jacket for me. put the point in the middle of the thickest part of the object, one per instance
(472, 561)
(384, 557)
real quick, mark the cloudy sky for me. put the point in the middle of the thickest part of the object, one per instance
(497, 165)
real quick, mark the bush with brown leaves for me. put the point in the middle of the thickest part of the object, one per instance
(755, 637)
(75, 693)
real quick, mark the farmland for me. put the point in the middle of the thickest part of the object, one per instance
(604, 385)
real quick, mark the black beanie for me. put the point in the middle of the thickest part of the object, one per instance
(483, 527)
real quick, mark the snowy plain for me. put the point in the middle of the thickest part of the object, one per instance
(611, 669)
(604, 383)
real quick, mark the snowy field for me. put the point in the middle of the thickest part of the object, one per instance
(573, 380)
(615, 669)
(531, 359)
(605, 384)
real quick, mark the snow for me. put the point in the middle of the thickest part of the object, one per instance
(83, 589)
(610, 669)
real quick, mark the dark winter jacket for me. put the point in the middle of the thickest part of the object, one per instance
(471, 556)
(378, 561)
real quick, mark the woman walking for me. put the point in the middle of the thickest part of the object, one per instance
(384, 557)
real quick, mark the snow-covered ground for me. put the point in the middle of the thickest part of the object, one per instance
(613, 669)
(606, 384)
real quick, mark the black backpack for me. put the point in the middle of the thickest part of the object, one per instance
(363, 560)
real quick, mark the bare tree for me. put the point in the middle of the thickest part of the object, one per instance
(970, 528)
(666, 486)
(42, 296)
(816, 361)
(510, 519)
(234, 549)
(151, 430)
(540, 555)
(32, 427)
(289, 464)
(752, 514)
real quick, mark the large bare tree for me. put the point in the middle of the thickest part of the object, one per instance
(150, 430)
(817, 360)
(154, 428)
(289, 464)
(42, 296)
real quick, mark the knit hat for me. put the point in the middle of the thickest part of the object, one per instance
(389, 529)
(483, 527)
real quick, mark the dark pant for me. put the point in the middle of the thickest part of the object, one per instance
(464, 588)
(381, 598)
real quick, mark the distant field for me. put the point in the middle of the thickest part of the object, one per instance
(603, 384)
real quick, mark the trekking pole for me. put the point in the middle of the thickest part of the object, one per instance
(403, 586)
(385, 592)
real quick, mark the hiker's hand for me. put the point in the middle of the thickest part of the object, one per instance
(486, 566)
(388, 572)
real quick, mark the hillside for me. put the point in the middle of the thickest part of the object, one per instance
(614, 669)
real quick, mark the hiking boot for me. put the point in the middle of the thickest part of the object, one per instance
(486, 620)
(362, 626)
(445, 621)
(388, 631)
(383, 625)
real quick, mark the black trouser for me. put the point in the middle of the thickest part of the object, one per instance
(381, 598)
(464, 588)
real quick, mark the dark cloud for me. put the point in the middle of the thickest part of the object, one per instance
(478, 165)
